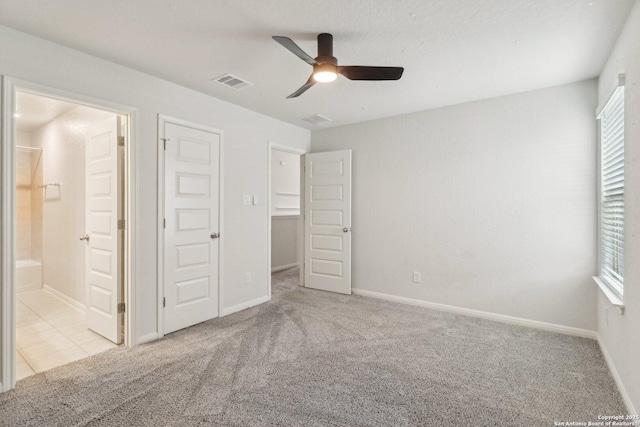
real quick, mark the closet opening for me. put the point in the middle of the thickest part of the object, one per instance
(286, 169)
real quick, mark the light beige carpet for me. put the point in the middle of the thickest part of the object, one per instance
(311, 358)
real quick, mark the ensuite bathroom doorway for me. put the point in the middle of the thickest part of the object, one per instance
(69, 210)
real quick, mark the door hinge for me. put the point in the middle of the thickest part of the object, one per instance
(164, 142)
(121, 224)
(121, 141)
(164, 223)
(164, 301)
(121, 307)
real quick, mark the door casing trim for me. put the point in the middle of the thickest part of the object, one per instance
(7, 215)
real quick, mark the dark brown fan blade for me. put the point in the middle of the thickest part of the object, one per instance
(354, 72)
(304, 88)
(295, 49)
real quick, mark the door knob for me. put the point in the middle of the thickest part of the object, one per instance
(85, 237)
(214, 235)
(346, 230)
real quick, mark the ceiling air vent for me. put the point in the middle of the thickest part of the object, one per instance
(316, 119)
(232, 81)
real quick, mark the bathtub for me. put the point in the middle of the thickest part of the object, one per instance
(28, 275)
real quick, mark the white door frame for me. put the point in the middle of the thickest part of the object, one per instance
(162, 119)
(275, 146)
(7, 219)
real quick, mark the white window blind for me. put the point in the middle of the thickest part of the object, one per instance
(612, 191)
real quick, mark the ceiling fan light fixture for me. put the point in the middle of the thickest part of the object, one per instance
(324, 73)
(324, 76)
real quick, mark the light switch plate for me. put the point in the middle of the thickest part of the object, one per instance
(255, 199)
(246, 199)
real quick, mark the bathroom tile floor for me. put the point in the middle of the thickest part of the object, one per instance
(51, 332)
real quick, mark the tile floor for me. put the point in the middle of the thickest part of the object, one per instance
(51, 332)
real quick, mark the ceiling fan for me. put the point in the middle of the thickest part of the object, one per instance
(326, 68)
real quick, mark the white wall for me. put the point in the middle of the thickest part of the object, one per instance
(284, 241)
(63, 142)
(245, 156)
(492, 201)
(620, 336)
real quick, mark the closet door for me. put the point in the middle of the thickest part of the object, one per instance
(192, 246)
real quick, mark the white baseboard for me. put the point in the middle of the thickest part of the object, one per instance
(244, 305)
(65, 298)
(284, 267)
(616, 377)
(28, 288)
(147, 338)
(569, 330)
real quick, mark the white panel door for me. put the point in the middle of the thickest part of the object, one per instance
(103, 239)
(327, 225)
(192, 167)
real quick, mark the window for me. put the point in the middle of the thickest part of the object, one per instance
(612, 192)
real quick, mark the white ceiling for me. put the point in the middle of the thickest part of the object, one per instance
(35, 110)
(453, 51)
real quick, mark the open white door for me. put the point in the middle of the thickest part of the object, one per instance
(327, 225)
(104, 238)
(192, 167)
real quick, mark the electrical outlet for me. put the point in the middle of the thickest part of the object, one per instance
(417, 278)
(606, 316)
(247, 277)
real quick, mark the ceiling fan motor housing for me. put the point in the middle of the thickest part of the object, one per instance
(325, 50)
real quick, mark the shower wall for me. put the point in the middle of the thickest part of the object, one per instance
(63, 144)
(37, 205)
(28, 200)
(23, 198)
